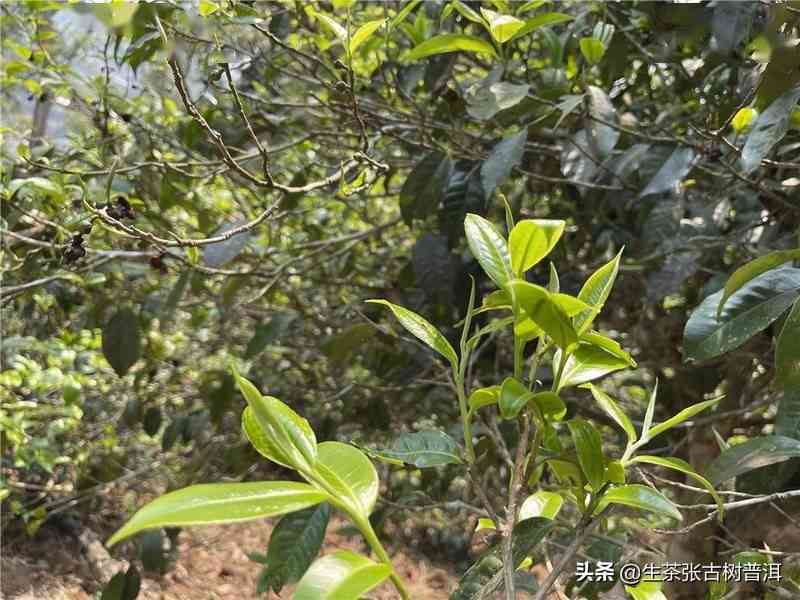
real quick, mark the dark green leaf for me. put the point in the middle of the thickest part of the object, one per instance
(787, 351)
(293, 545)
(122, 341)
(268, 332)
(123, 586)
(753, 269)
(340, 347)
(152, 420)
(752, 308)
(423, 449)
(769, 129)
(506, 155)
(151, 552)
(671, 172)
(730, 24)
(752, 454)
(425, 187)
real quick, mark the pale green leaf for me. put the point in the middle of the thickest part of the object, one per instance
(502, 27)
(531, 240)
(341, 575)
(595, 292)
(641, 497)
(450, 42)
(613, 410)
(364, 32)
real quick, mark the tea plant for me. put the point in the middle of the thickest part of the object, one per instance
(547, 326)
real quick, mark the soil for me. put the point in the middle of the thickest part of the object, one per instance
(212, 564)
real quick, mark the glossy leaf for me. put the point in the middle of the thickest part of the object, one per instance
(548, 310)
(752, 454)
(513, 397)
(122, 341)
(589, 362)
(589, 447)
(749, 310)
(672, 172)
(769, 129)
(490, 100)
(348, 474)
(451, 42)
(489, 248)
(422, 330)
(641, 497)
(550, 404)
(787, 351)
(613, 410)
(425, 187)
(275, 430)
(205, 504)
(677, 464)
(539, 21)
(541, 504)
(293, 545)
(502, 27)
(505, 155)
(341, 575)
(595, 292)
(753, 269)
(684, 415)
(483, 397)
(423, 449)
(363, 33)
(531, 240)
(609, 345)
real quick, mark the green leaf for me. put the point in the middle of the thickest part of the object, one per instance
(341, 575)
(787, 351)
(349, 474)
(489, 248)
(641, 497)
(330, 24)
(744, 119)
(275, 430)
(363, 33)
(769, 129)
(513, 396)
(588, 362)
(527, 535)
(613, 410)
(207, 7)
(451, 42)
(422, 330)
(123, 586)
(293, 545)
(505, 155)
(209, 503)
(684, 415)
(122, 341)
(749, 310)
(548, 310)
(487, 101)
(268, 332)
(592, 49)
(646, 590)
(609, 345)
(752, 454)
(676, 464)
(404, 12)
(550, 404)
(753, 269)
(589, 447)
(483, 397)
(595, 292)
(341, 346)
(425, 187)
(539, 21)
(541, 504)
(423, 449)
(502, 27)
(672, 172)
(531, 240)
(650, 411)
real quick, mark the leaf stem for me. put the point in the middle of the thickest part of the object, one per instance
(365, 527)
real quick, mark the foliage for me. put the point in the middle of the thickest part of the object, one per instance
(190, 185)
